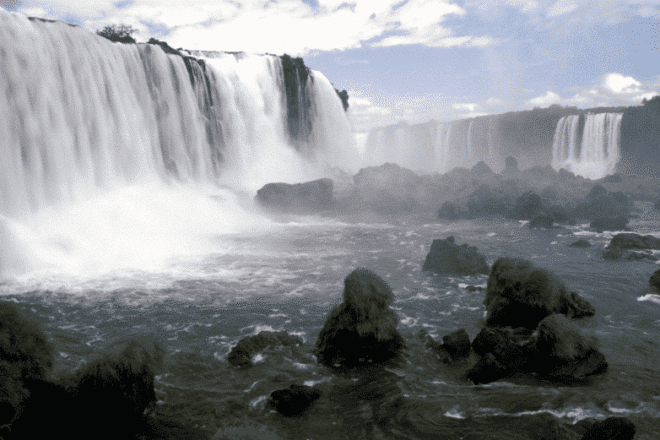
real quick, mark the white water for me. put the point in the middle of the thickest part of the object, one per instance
(111, 158)
(599, 151)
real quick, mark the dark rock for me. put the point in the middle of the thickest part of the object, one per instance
(607, 205)
(457, 344)
(25, 355)
(510, 165)
(446, 256)
(613, 253)
(488, 369)
(528, 206)
(563, 353)
(636, 256)
(343, 96)
(472, 288)
(113, 392)
(510, 347)
(486, 200)
(612, 178)
(615, 223)
(452, 211)
(612, 428)
(657, 205)
(481, 169)
(596, 191)
(634, 241)
(654, 281)
(362, 329)
(298, 99)
(520, 294)
(582, 243)
(241, 355)
(300, 197)
(294, 400)
(542, 221)
(560, 214)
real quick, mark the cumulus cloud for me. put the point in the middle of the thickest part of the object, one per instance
(617, 83)
(260, 26)
(545, 100)
(562, 7)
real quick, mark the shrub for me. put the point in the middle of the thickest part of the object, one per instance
(118, 33)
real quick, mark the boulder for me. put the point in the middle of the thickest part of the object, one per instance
(503, 351)
(654, 281)
(446, 256)
(602, 206)
(241, 355)
(510, 165)
(612, 428)
(457, 344)
(564, 353)
(637, 256)
(299, 197)
(25, 356)
(486, 200)
(113, 392)
(596, 191)
(389, 188)
(452, 211)
(634, 241)
(362, 329)
(615, 223)
(582, 243)
(520, 294)
(542, 221)
(294, 400)
(480, 169)
(528, 206)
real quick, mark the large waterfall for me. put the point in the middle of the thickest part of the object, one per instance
(599, 150)
(114, 154)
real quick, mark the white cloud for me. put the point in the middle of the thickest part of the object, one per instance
(469, 107)
(562, 7)
(617, 83)
(545, 100)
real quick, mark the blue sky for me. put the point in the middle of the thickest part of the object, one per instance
(416, 60)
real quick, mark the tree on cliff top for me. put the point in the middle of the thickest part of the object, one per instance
(118, 33)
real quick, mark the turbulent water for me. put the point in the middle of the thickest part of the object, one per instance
(126, 184)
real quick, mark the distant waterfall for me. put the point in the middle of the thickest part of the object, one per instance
(599, 151)
(83, 120)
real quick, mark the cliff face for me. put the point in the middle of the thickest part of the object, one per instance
(640, 139)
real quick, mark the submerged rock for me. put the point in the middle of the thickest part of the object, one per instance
(362, 329)
(241, 355)
(582, 243)
(612, 428)
(446, 256)
(294, 400)
(308, 196)
(520, 294)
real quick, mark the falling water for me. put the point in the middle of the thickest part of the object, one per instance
(116, 155)
(598, 153)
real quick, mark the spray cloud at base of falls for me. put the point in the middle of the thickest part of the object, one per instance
(110, 150)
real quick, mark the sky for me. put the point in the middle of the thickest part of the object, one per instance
(416, 60)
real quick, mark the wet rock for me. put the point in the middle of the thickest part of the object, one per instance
(520, 294)
(615, 223)
(657, 204)
(457, 344)
(294, 400)
(603, 206)
(613, 253)
(542, 221)
(634, 241)
(612, 428)
(452, 211)
(510, 165)
(488, 369)
(241, 355)
(25, 356)
(446, 256)
(389, 189)
(113, 392)
(300, 197)
(654, 281)
(528, 206)
(564, 353)
(637, 256)
(481, 169)
(613, 178)
(362, 329)
(581, 244)
(596, 191)
(503, 351)
(486, 200)
(472, 288)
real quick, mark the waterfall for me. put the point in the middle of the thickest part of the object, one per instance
(104, 144)
(599, 151)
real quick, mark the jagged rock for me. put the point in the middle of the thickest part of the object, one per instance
(446, 256)
(294, 400)
(25, 356)
(612, 428)
(615, 223)
(241, 355)
(654, 281)
(308, 196)
(542, 221)
(634, 241)
(563, 353)
(362, 329)
(457, 344)
(582, 243)
(520, 294)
